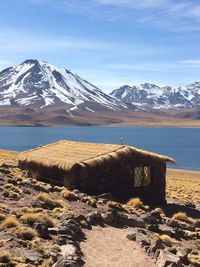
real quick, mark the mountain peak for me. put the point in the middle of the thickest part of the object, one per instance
(38, 84)
(151, 96)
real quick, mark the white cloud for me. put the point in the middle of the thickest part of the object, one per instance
(191, 62)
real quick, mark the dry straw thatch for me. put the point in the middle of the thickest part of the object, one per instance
(65, 155)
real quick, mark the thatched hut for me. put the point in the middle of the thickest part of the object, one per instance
(94, 168)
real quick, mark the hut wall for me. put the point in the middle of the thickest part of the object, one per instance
(118, 178)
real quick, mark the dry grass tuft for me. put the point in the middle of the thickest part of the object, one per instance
(5, 257)
(58, 188)
(46, 263)
(26, 233)
(194, 259)
(69, 194)
(9, 222)
(136, 203)
(43, 186)
(2, 217)
(182, 216)
(58, 212)
(167, 240)
(114, 205)
(13, 188)
(52, 203)
(31, 218)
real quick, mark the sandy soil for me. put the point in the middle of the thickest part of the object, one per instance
(108, 247)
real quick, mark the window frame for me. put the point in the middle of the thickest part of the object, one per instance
(143, 177)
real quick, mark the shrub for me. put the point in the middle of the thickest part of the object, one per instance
(136, 203)
(51, 203)
(9, 222)
(5, 257)
(69, 195)
(26, 233)
(31, 218)
(182, 216)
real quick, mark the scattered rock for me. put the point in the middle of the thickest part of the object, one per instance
(107, 196)
(148, 218)
(156, 244)
(95, 218)
(33, 256)
(109, 217)
(134, 221)
(68, 250)
(42, 230)
(166, 259)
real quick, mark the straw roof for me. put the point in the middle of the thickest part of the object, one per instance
(64, 155)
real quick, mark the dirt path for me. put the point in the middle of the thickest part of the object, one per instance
(108, 247)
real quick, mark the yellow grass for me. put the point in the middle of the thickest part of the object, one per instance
(194, 259)
(183, 185)
(135, 203)
(182, 216)
(9, 222)
(49, 201)
(68, 194)
(8, 156)
(169, 241)
(47, 263)
(26, 233)
(31, 218)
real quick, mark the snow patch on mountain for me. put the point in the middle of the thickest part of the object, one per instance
(40, 84)
(154, 97)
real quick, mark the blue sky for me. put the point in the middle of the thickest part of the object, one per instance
(108, 42)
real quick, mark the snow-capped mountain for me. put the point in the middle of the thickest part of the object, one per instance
(39, 84)
(152, 96)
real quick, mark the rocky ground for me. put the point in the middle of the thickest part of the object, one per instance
(44, 225)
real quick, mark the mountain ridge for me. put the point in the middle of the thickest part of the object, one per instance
(150, 96)
(38, 83)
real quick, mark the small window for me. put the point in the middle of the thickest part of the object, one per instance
(142, 176)
(138, 176)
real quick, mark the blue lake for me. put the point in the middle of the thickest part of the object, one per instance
(183, 144)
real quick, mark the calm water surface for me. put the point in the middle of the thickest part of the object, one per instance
(183, 144)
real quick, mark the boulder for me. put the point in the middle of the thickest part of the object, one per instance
(95, 218)
(172, 223)
(42, 230)
(34, 257)
(155, 214)
(109, 217)
(156, 244)
(134, 221)
(183, 255)
(167, 259)
(68, 250)
(148, 218)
